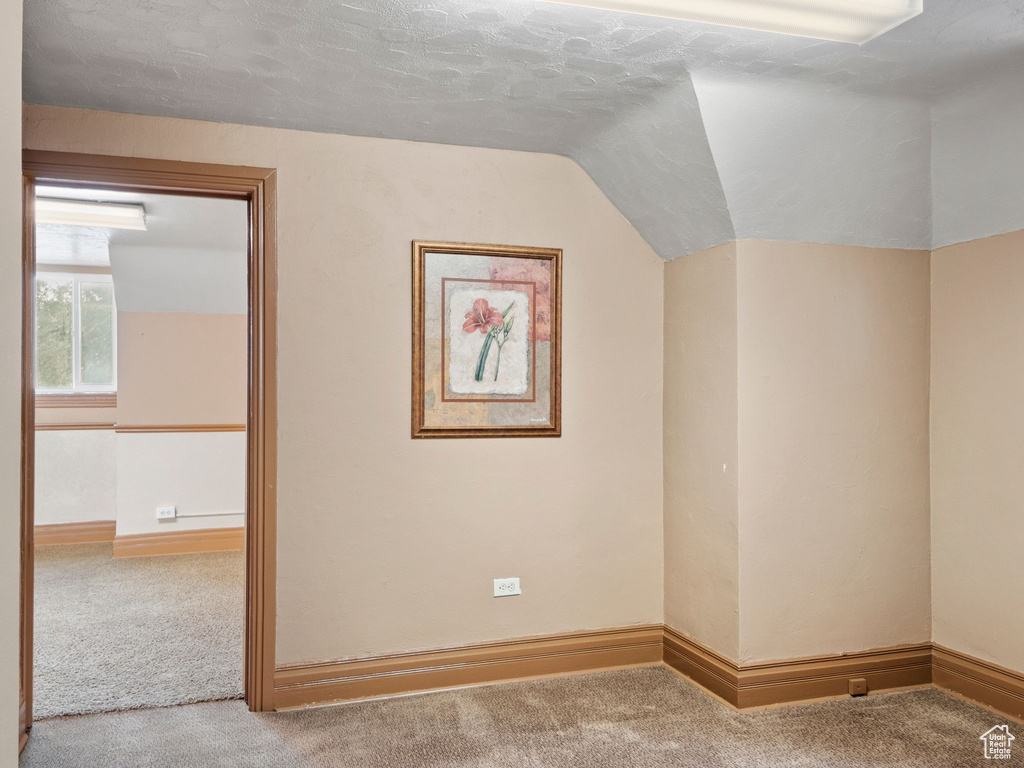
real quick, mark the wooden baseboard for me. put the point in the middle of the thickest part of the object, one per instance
(309, 684)
(743, 686)
(777, 682)
(981, 681)
(820, 677)
(180, 542)
(74, 533)
(708, 669)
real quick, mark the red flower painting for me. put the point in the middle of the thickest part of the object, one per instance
(496, 325)
(482, 317)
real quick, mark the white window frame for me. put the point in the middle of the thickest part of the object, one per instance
(77, 278)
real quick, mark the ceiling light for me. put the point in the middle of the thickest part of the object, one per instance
(81, 213)
(843, 21)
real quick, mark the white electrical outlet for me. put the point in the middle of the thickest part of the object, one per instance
(166, 513)
(505, 587)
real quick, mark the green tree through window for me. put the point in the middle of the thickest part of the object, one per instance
(54, 340)
(75, 341)
(96, 306)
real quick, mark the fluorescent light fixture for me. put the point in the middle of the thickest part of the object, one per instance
(82, 213)
(842, 21)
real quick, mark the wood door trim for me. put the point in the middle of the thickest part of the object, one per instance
(28, 436)
(259, 187)
(91, 532)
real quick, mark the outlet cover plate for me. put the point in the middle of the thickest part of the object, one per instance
(506, 587)
(166, 513)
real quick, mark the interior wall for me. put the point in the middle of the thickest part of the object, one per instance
(365, 513)
(976, 448)
(76, 415)
(701, 449)
(10, 372)
(76, 476)
(833, 448)
(174, 368)
(181, 368)
(195, 472)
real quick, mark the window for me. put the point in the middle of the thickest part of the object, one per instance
(76, 333)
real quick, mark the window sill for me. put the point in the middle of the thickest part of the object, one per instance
(78, 400)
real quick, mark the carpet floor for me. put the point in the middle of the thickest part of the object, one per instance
(633, 718)
(135, 632)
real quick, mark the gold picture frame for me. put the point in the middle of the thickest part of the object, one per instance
(462, 386)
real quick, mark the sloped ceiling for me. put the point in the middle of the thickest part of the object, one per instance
(978, 161)
(190, 258)
(819, 165)
(623, 95)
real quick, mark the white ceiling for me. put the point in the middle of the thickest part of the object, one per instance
(612, 91)
(978, 162)
(190, 258)
(819, 165)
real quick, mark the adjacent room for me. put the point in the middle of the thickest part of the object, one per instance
(500, 383)
(140, 399)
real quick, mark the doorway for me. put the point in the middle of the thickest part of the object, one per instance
(255, 188)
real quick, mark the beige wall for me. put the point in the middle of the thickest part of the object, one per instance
(833, 448)
(386, 544)
(10, 371)
(977, 448)
(796, 448)
(181, 368)
(700, 447)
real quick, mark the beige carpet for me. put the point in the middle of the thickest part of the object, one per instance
(637, 718)
(135, 632)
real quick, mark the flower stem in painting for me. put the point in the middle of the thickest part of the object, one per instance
(504, 330)
(492, 323)
(484, 350)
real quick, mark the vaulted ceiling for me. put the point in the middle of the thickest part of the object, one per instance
(698, 134)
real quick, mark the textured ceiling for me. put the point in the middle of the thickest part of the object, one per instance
(978, 162)
(612, 91)
(800, 161)
(190, 258)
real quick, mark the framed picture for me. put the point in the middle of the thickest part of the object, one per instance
(487, 340)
